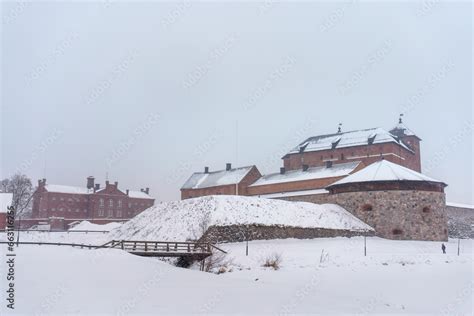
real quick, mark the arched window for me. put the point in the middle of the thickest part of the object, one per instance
(111, 203)
(101, 202)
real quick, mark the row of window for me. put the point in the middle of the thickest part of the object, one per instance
(119, 203)
(62, 209)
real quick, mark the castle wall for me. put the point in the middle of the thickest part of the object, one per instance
(239, 233)
(394, 214)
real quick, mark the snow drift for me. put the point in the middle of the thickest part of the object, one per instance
(182, 220)
(86, 225)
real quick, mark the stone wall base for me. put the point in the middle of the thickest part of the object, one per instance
(239, 233)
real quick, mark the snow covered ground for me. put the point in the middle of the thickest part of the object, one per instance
(181, 220)
(318, 276)
(86, 225)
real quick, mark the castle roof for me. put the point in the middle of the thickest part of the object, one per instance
(363, 137)
(199, 180)
(336, 170)
(384, 170)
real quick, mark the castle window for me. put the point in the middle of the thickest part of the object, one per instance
(101, 212)
(342, 156)
(101, 202)
(367, 208)
(426, 209)
(62, 199)
(120, 203)
(119, 213)
(397, 231)
(129, 205)
(111, 203)
(53, 209)
(111, 213)
(77, 210)
(54, 199)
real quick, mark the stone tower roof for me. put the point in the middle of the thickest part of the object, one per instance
(384, 170)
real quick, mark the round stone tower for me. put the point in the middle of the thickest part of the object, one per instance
(399, 203)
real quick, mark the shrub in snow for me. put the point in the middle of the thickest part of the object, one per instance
(217, 263)
(273, 261)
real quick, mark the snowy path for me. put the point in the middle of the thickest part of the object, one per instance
(396, 277)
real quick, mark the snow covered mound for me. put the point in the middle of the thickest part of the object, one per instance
(86, 225)
(182, 220)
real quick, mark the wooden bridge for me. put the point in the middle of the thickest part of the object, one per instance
(189, 250)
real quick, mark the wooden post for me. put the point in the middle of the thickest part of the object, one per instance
(121, 244)
(365, 246)
(146, 246)
(459, 242)
(247, 247)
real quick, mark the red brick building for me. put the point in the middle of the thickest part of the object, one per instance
(231, 181)
(398, 145)
(92, 203)
(316, 163)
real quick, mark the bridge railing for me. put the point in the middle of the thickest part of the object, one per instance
(161, 246)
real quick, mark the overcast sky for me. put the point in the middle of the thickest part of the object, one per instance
(151, 92)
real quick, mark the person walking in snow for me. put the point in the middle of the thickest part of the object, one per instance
(443, 247)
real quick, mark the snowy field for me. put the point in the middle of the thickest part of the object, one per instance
(318, 276)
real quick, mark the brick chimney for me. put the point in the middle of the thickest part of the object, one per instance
(96, 187)
(116, 184)
(305, 167)
(127, 191)
(228, 166)
(206, 169)
(147, 190)
(90, 182)
(282, 170)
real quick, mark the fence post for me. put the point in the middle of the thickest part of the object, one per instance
(459, 242)
(146, 246)
(121, 244)
(365, 246)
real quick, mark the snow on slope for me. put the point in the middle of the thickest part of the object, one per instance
(179, 220)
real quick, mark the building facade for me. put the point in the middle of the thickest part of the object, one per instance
(93, 203)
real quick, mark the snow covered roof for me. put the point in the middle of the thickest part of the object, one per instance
(384, 170)
(182, 220)
(293, 193)
(401, 128)
(347, 139)
(199, 180)
(67, 189)
(337, 170)
(138, 195)
(5, 201)
(83, 190)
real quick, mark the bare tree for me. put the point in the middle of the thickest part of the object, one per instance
(21, 187)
